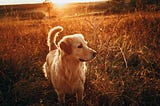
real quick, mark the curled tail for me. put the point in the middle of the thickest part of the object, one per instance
(52, 36)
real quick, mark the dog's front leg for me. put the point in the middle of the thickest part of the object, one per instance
(61, 98)
(80, 96)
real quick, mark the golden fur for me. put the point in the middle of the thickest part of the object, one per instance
(65, 66)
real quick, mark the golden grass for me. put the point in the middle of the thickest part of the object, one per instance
(125, 72)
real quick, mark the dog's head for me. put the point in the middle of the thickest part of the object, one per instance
(76, 47)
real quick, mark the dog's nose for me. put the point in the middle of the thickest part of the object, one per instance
(94, 53)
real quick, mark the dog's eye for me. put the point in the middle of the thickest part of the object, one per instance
(80, 46)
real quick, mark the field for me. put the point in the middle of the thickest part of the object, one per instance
(126, 71)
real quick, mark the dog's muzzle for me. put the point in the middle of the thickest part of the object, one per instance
(93, 55)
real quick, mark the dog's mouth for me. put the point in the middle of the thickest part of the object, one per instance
(82, 60)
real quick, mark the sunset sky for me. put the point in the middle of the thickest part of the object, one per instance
(7, 2)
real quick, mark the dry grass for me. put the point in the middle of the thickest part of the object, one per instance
(125, 72)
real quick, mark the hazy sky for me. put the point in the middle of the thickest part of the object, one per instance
(5, 2)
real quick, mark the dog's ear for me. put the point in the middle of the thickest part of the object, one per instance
(66, 47)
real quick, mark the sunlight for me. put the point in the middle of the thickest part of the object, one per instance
(61, 3)
(71, 1)
(58, 2)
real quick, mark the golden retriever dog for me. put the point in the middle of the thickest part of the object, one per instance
(65, 66)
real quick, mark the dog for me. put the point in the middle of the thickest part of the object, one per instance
(65, 67)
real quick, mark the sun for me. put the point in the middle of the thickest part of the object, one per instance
(71, 1)
(61, 3)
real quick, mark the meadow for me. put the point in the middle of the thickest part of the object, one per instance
(126, 71)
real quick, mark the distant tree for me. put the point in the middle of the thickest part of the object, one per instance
(118, 1)
(47, 1)
(141, 4)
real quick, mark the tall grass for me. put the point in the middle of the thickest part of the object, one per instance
(125, 71)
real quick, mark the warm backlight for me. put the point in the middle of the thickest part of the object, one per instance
(61, 3)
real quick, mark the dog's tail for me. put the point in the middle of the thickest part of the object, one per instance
(46, 72)
(52, 37)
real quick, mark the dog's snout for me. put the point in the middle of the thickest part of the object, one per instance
(94, 53)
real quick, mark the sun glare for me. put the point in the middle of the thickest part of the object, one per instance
(71, 1)
(57, 2)
(61, 3)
